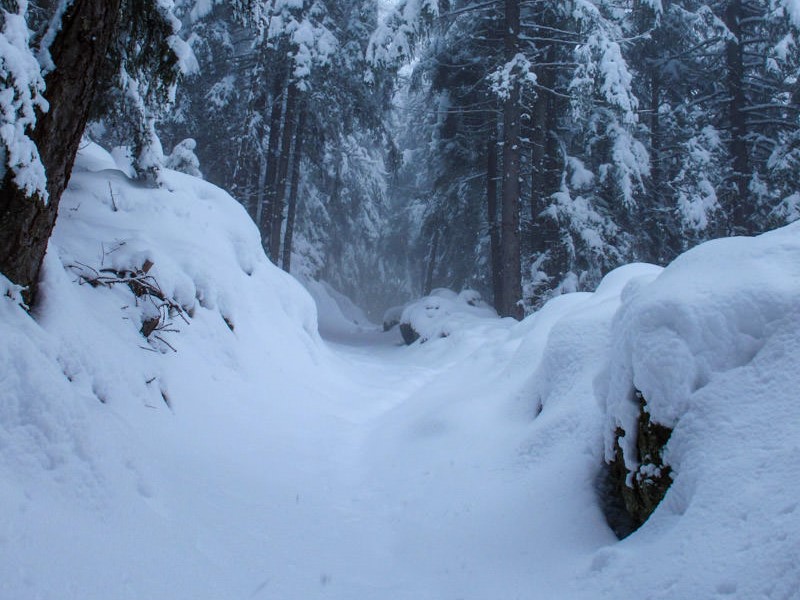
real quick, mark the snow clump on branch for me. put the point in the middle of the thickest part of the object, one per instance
(20, 99)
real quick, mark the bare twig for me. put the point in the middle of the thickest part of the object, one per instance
(143, 286)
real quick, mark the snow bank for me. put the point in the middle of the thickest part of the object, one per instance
(712, 344)
(115, 445)
(495, 460)
(711, 311)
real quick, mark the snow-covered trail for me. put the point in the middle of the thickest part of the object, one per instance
(408, 494)
(335, 539)
(380, 484)
(256, 461)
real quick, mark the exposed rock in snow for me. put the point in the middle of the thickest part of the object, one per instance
(640, 492)
(439, 313)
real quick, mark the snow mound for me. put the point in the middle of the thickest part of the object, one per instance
(712, 345)
(710, 312)
(192, 242)
(443, 312)
(107, 425)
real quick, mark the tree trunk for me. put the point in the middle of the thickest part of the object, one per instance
(273, 155)
(295, 190)
(734, 53)
(261, 188)
(431, 266)
(542, 158)
(660, 244)
(494, 229)
(539, 134)
(282, 174)
(79, 51)
(512, 284)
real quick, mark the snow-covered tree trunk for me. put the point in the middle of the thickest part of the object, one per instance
(78, 53)
(273, 157)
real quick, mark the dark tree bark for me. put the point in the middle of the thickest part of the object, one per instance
(431, 266)
(273, 157)
(656, 142)
(79, 51)
(512, 283)
(539, 134)
(737, 122)
(282, 174)
(295, 189)
(260, 189)
(542, 159)
(494, 229)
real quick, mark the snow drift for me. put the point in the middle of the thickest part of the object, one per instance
(712, 345)
(99, 424)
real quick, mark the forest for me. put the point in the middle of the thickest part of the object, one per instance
(522, 149)
(399, 299)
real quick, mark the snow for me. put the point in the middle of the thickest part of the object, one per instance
(338, 316)
(256, 460)
(392, 41)
(20, 99)
(516, 72)
(184, 159)
(712, 344)
(793, 10)
(445, 311)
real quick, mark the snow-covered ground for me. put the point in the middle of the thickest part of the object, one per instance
(258, 461)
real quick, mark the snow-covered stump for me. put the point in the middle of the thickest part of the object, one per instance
(392, 317)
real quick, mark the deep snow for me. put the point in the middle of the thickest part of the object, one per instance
(263, 462)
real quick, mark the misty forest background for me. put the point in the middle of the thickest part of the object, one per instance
(519, 148)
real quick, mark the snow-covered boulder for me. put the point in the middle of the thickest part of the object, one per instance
(698, 390)
(392, 316)
(441, 313)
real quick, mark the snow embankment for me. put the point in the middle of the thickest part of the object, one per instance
(712, 344)
(496, 464)
(163, 343)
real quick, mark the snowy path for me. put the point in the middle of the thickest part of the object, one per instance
(403, 496)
